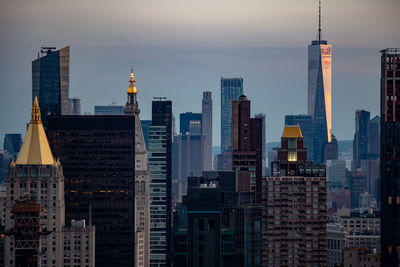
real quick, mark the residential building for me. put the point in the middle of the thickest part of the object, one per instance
(360, 257)
(206, 111)
(50, 81)
(334, 244)
(306, 125)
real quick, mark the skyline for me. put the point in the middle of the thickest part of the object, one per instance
(173, 60)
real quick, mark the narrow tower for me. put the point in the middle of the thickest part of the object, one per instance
(319, 91)
(142, 212)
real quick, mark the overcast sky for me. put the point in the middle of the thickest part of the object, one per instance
(180, 48)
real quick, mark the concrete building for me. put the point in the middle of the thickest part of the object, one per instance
(294, 207)
(360, 257)
(206, 110)
(334, 244)
(35, 231)
(142, 181)
(74, 106)
(109, 110)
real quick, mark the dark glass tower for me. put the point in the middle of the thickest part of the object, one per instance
(98, 158)
(50, 82)
(360, 143)
(160, 148)
(306, 125)
(390, 157)
(185, 118)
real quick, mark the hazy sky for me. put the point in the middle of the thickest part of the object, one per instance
(180, 48)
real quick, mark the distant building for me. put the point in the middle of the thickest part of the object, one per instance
(390, 145)
(262, 117)
(109, 110)
(50, 81)
(306, 125)
(231, 89)
(35, 229)
(12, 143)
(294, 230)
(360, 143)
(5, 160)
(145, 130)
(74, 106)
(331, 149)
(334, 244)
(206, 111)
(336, 172)
(185, 118)
(361, 257)
(374, 138)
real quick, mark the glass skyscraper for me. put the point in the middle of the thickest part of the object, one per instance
(319, 92)
(231, 89)
(50, 82)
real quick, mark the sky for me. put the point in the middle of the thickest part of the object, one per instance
(179, 49)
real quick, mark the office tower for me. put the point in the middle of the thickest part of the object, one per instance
(160, 148)
(294, 203)
(331, 149)
(319, 92)
(185, 118)
(358, 184)
(247, 146)
(206, 111)
(50, 81)
(74, 106)
(390, 145)
(98, 158)
(360, 143)
(35, 212)
(374, 138)
(336, 172)
(12, 143)
(5, 160)
(306, 125)
(109, 110)
(142, 180)
(264, 152)
(145, 130)
(231, 89)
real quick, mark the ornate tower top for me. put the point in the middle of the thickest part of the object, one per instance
(132, 107)
(132, 87)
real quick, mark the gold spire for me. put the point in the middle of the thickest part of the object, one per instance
(132, 87)
(35, 150)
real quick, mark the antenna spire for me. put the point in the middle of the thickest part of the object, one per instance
(319, 22)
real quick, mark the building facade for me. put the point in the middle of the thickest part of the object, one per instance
(74, 106)
(390, 156)
(186, 118)
(109, 110)
(98, 158)
(231, 89)
(206, 110)
(50, 81)
(306, 125)
(360, 142)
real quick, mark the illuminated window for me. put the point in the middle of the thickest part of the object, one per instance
(292, 156)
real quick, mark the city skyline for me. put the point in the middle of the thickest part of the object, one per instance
(100, 62)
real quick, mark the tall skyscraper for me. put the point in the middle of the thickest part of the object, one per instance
(360, 142)
(231, 89)
(142, 181)
(247, 146)
(98, 158)
(186, 118)
(36, 234)
(294, 207)
(306, 125)
(50, 82)
(262, 117)
(319, 92)
(374, 138)
(390, 156)
(160, 166)
(206, 111)
(12, 143)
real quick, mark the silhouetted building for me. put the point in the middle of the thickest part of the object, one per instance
(185, 118)
(5, 160)
(262, 117)
(109, 110)
(306, 125)
(50, 82)
(360, 143)
(374, 138)
(331, 149)
(145, 129)
(12, 143)
(74, 106)
(231, 89)
(390, 156)
(160, 167)
(98, 158)
(247, 146)
(294, 207)
(206, 110)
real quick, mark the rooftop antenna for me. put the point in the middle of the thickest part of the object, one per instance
(319, 22)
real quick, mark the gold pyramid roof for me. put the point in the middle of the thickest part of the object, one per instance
(36, 149)
(292, 131)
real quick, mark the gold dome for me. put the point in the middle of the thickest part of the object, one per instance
(132, 87)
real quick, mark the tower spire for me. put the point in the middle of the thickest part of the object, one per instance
(132, 104)
(319, 22)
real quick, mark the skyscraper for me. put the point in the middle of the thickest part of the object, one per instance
(231, 89)
(390, 156)
(142, 180)
(109, 110)
(12, 143)
(50, 82)
(98, 158)
(185, 118)
(36, 234)
(160, 164)
(360, 142)
(262, 117)
(306, 125)
(294, 207)
(247, 146)
(206, 110)
(74, 106)
(374, 138)
(319, 92)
